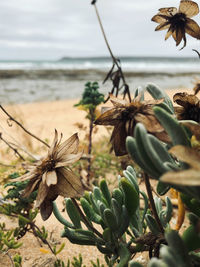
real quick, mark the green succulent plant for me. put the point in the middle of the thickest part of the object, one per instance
(117, 212)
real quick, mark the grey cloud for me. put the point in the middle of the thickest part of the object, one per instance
(54, 28)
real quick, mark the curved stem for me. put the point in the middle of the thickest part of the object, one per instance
(115, 61)
(33, 226)
(11, 147)
(21, 126)
(151, 200)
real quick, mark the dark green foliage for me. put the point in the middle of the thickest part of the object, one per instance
(91, 98)
(17, 259)
(19, 203)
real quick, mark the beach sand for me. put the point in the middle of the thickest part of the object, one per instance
(41, 119)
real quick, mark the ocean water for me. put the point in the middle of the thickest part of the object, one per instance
(29, 81)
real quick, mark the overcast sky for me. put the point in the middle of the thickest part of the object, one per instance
(51, 29)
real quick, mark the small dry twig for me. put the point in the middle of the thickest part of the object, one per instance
(9, 256)
(11, 147)
(10, 118)
(16, 144)
(196, 52)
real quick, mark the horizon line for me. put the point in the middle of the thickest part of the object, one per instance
(101, 57)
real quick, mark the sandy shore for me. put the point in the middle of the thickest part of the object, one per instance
(42, 118)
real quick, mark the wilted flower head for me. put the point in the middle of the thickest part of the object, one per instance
(52, 177)
(190, 107)
(178, 22)
(124, 116)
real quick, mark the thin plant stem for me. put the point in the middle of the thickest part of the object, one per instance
(151, 200)
(6, 165)
(33, 226)
(24, 150)
(11, 147)
(9, 256)
(22, 127)
(115, 61)
(16, 144)
(90, 144)
(104, 34)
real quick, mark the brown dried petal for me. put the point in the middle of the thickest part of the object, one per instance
(162, 26)
(68, 159)
(51, 178)
(152, 102)
(30, 187)
(104, 109)
(192, 28)
(194, 128)
(196, 88)
(110, 117)
(118, 139)
(189, 8)
(42, 193)
(70, 146)
(189, 177)
(46, 206)
(178, 35)
(44, 177)
(150, 122)
(184, 99)
(159, 19)
(168, 34)
(46, 209)
(187, 154)
(25, 177)
(68, 185)
(180, 113)
(163, 136)
(54, 143)
(168, 11)
(117, 102)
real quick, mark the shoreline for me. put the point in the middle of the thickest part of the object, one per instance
(79, 73)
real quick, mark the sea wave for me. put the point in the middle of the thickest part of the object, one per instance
(29, 81)
(129, 64)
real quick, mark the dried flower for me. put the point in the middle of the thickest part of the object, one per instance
(124, 116)
(190, 107)
(52, 177)
(196, 88)
(178, 22)
(191, 176)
